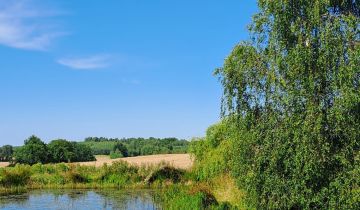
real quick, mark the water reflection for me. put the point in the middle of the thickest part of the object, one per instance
(81, 199)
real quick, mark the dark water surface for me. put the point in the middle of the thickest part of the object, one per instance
(81, 199)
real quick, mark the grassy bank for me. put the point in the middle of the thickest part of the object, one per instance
(217, 193)
(119, 175)
(176, 188)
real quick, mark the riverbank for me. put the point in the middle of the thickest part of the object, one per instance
(175, 187)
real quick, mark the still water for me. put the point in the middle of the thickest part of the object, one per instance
(81, 199)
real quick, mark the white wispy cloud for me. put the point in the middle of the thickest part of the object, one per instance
(90, 62)
(25, 25)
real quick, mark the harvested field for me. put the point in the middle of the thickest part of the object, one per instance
(3, 164)
(182, 161)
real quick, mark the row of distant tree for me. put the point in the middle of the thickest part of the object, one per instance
(137, 146)
(35, 150)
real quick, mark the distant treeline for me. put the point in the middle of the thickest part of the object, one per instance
(136, 146)
(35, 150)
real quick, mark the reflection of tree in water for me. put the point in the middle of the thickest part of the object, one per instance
(20, 199)
(83, 199)
(57, 194)
(135, 199)
(63, 197)
(68, 198)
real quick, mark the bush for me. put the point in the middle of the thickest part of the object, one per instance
(74, 175)
(165, 173)
(17, 176)
(176, 197)
(120, 148)
(212, 154)
(120, 173)
(116, 155)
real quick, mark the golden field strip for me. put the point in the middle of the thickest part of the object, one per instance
(182, 161)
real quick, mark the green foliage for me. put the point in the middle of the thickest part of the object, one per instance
(119, 175)
(82, 153)
(177, 198)
(136, 146)
(165, 173)
(17, 176)
(212, 153)
(61, 151)
(34, 151)
(116, 154)
(180, 197)
(120, 148)
(6, 153)
(293, 94)
(74, 175)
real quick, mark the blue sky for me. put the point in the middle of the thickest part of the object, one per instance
(115, 68)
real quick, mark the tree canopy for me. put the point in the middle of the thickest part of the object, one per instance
(6, 153)
(33, 151)
(57, 151)
(61, 151)
(293, 91)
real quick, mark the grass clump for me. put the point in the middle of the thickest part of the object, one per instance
(165, 173)
(194, 197)
(118, 175)
(14, 177)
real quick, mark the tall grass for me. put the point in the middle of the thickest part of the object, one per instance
(178, 189)
(118, 175)
(198, 196)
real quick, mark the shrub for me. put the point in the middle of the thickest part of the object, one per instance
(177, 197)
(212, 154)
(74, 176)
(17, 176)
(116, 155)
(165, 173)
(120, 172)
(120, 148)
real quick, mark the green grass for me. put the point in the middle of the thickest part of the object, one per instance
(177, 189)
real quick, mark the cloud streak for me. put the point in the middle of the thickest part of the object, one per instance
(87, 63)
(25, 26)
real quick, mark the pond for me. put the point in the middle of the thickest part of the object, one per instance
(81, 199)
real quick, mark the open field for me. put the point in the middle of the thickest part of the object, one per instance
(177, 160)
(3, 164)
